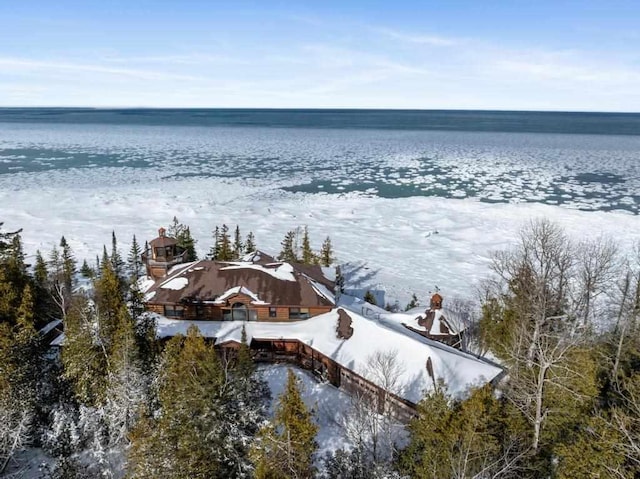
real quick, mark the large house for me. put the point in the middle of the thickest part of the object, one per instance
(289, 314)
(257, 288)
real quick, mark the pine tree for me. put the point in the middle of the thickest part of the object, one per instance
(287, 253)
(6, 241)
(13, 278)
(226, 251)
(44, 303)
(250, 244)
(244, 364)
(286, 448)
(40, 273)
(84, 356)
(414, 303)
(185, 241)
(68, 265)
(454, 439)
(186, 441)
(214, 251)
(238, 246)
(134, 260)
(326, 253)
(108, 297)
(188, 244)
(86, 271)
(370, 298)
(117, 263)
(308, 256)
(19, 373)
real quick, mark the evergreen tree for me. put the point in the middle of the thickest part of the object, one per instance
(288, 253)
(108, 297)
(6, 241)
(326, 253)
(40, 272)
(86, 271)
(370, 298)
(126, 383)
(454, 439)
(13, 278)
(185, 241)
(250, 243)
(117, 263)
(105, 259)
(226, 251)
(238, 247)
(287, 447)
(68, 265)
(192, 437)
(414, 303)
(134, 260)
(19, 374)
(308, 256)
(85, 355)
(44, 303)
(214, 251)
(188, 244)
(59, 285)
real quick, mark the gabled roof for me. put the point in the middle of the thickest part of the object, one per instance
(274, 283)
(458, 370)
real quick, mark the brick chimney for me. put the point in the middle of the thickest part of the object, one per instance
(161, 232)
(436, 302)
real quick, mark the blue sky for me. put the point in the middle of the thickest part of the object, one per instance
(544, 55)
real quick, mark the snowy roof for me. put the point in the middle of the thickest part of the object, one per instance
(277, 283)
(437, 322)
(457, 369)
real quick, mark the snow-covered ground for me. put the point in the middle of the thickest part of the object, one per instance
(398, 246)
(333, 409)
(328, 403)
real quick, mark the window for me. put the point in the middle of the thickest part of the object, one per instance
(174, 311)
(298, 313)
(159, 252)
(200, 311)
(238, 312)
(273, 312)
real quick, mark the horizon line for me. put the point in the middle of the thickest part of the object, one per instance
(345, 109)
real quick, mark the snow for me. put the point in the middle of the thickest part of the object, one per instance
(454, 324)
(326, 401)
(175, 284)
(387, 236)
(457, 369)
(322, 290)
(281, 271)
(53, 324)
(145, 282)
(238, 290)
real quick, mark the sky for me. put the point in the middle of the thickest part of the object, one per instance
(407, 54)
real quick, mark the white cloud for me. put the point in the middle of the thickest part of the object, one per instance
(420, 39)
(21, 65)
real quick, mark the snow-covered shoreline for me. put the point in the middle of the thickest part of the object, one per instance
(398, 246)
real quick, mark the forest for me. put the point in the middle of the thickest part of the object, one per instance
(560, 315)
